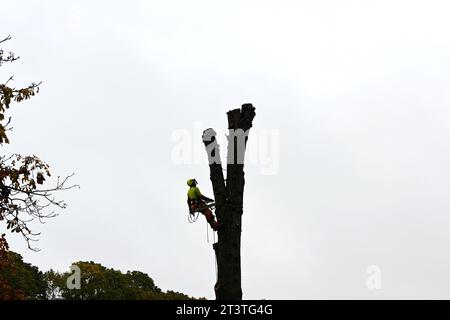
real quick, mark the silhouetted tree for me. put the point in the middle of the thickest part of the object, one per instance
(228, 196)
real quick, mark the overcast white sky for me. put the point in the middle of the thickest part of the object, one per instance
(357, 91)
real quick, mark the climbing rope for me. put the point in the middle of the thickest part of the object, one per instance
(215, 265)
(192, 217)
(207, 234)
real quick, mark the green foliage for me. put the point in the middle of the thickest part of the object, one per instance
(7, 292)
(101, 283)
(24, 277)
(25, 281)
(174, 295)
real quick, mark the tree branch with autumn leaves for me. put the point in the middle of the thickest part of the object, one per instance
(23, 197)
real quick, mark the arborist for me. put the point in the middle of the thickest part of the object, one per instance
(199, 203)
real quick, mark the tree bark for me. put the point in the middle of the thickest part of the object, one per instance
(229, 200)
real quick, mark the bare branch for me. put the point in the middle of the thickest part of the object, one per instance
(6, 39)
(21, 201)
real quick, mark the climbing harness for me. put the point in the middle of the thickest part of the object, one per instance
(192, 217)
(211, 205)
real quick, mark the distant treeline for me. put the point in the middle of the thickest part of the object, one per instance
(96, 282)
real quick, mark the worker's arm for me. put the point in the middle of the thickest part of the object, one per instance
(202, 197)
(207, 199)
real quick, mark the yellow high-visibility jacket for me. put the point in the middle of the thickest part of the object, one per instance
(194, 193)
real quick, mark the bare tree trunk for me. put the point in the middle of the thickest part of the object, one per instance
(229, 200)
